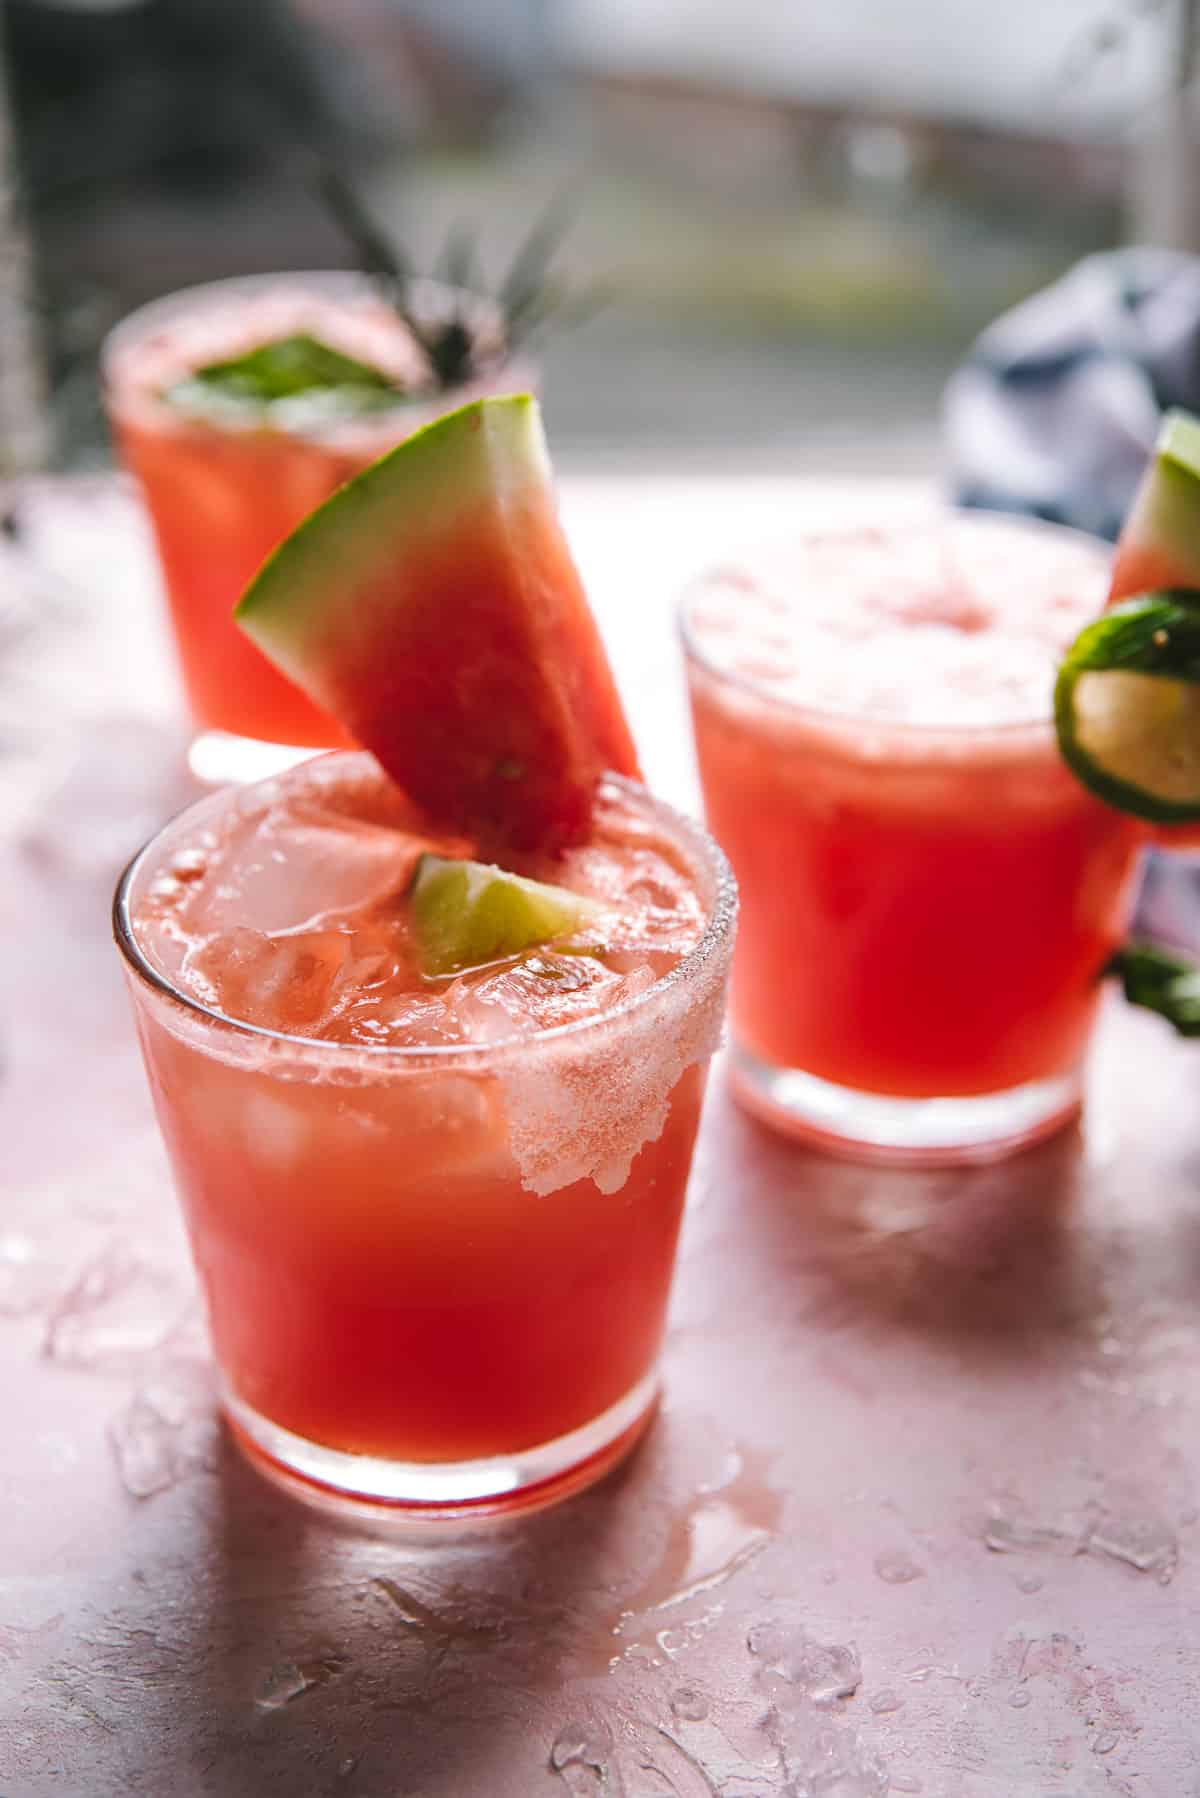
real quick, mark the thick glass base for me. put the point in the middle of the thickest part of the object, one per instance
(221, 759)
(526, 1480)
(922, 1132)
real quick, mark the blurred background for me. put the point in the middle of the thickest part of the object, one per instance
(800, 213)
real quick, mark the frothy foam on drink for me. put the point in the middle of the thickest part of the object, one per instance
(960, 622)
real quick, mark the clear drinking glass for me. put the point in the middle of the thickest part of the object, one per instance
(925, 910)
(436, 1277)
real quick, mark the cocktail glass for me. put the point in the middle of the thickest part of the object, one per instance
(926, 911)
(223, 493)
(436, 1276)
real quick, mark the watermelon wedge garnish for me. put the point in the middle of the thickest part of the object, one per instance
(432, 606)
(1160, 539)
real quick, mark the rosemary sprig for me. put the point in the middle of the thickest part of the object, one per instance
(483, 327)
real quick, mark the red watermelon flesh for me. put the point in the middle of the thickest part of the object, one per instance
(432, 606)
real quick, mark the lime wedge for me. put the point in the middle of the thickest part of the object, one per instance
(470, 913)
(1127, 706)
(1179, 442)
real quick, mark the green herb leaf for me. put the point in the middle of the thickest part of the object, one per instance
(1161, 981)
(1154, 633)
(290, 368)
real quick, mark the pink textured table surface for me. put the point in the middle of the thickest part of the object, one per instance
(919, 1514)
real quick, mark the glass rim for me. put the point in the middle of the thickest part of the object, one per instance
(355, 280)
(355, 284)
(718, 927)
(828, 716)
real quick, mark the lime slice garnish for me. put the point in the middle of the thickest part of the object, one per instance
(1127, 706)
(470, 913)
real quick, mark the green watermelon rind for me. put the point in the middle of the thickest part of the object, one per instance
(1163, 530)
(423, 483)
(1179, 442)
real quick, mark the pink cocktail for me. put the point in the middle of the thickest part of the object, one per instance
(928, 896)
(224, 483)
(434, 1218)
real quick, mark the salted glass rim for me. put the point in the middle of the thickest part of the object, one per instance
(703, 849)
(849, 717)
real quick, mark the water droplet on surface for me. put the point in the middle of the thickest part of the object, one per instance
(1028, 1582)
(830, 1763)
(1008, 1535)
(884, 1703)
(347, 1766)
(289, 1680)
(767, 1640)
(117, 1311)
(407, 1607)
(1018, 1699)
(145, 1445)
(167, 1430)
(580, 1756)
(689, 1704)
(1145, 1543)
(897, 1568)
(658, 1753)
(719, 1532)
(670, 1643)
(1105, 1743)
(974, 1688)
(798, 1668)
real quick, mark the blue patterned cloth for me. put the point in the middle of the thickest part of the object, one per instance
(1057, 405)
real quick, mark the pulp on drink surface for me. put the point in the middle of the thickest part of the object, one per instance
(927, 894)
(223, 494)
(392, 1267)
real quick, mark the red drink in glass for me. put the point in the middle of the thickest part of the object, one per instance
(434, 1220)
(223, 490)
(928, 896)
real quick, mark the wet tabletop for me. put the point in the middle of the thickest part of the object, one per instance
(919, 1513)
